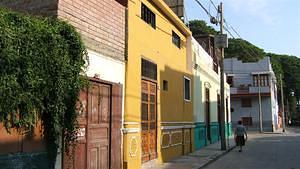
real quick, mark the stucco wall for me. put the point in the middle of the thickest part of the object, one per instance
(253, 111)
(155, 45)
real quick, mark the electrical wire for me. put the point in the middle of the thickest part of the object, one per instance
(214, 5)
(206, 11)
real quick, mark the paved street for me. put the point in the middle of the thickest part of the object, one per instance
(264, 151)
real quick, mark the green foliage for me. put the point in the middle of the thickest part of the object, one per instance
(239, 48)
(40, 64)
(199, 27)
(290, 68)
(243, 50)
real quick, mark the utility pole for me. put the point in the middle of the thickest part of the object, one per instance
(259, 102)
(282, 105)
(222, 115)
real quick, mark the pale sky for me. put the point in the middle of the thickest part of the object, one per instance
(273, 25)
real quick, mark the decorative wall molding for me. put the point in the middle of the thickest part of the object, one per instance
(131, 123)
(133, 146)
(172, 122)
(130, 130)
(177, 127)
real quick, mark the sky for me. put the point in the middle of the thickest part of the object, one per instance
(273, 25)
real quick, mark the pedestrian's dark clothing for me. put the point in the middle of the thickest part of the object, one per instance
(240, 140)
(240, 133)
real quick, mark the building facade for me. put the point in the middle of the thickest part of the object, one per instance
(252, 85)
(158, 99)
(207, 96)
(101, 24)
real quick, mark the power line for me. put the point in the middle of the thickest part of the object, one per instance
(227, 27)
(231, 27)
(213, 4)
(206, 11)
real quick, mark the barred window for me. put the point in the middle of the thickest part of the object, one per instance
(149, 69)
(175, 39)
(148, 16)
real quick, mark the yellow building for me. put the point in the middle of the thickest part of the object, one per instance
(158, 119)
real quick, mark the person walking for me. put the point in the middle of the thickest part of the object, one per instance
(240, 135)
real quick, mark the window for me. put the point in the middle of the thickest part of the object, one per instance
(247, 121)
(175, 39)
(246, 102)
(230, 80)
(187, 89)
(149, 69)
(165, 85)
(263, 80)
(148, 16)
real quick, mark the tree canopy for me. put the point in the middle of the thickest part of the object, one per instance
(200, 27)
(243, 50)
(239, 48)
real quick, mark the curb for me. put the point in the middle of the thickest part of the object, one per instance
(216, 157)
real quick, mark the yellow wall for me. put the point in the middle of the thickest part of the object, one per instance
(155, 45)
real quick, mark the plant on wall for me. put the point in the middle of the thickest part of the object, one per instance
(41, 61)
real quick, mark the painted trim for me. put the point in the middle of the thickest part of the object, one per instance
(130, 130)
(171, 122)
(131, 123)
(171, 127)
(177, 127)
(173, 132)
(161, 140)
(189, 126)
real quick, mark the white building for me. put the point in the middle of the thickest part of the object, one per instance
(207, 95)
(249, 82)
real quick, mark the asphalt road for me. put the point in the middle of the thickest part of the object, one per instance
(264, 151)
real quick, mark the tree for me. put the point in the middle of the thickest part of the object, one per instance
(239, 48)
(243, 50)
(200, 27)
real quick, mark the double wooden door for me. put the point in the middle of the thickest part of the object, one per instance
(148, 118)
(99, 120)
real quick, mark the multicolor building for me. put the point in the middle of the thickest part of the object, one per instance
(207, 93)
(158, 117)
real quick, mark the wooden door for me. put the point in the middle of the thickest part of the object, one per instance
(99, 127)
(95, 148)
(148, 118)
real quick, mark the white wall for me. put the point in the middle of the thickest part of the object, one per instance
(205, 76)
(107, 68)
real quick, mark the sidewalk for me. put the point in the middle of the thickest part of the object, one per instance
(195, 160)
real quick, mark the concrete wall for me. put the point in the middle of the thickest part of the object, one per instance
(206, 77)
(253, 112)
(243, 76)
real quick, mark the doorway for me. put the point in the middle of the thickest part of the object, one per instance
(148, 120)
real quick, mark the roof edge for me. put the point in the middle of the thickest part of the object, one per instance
(165, 8)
